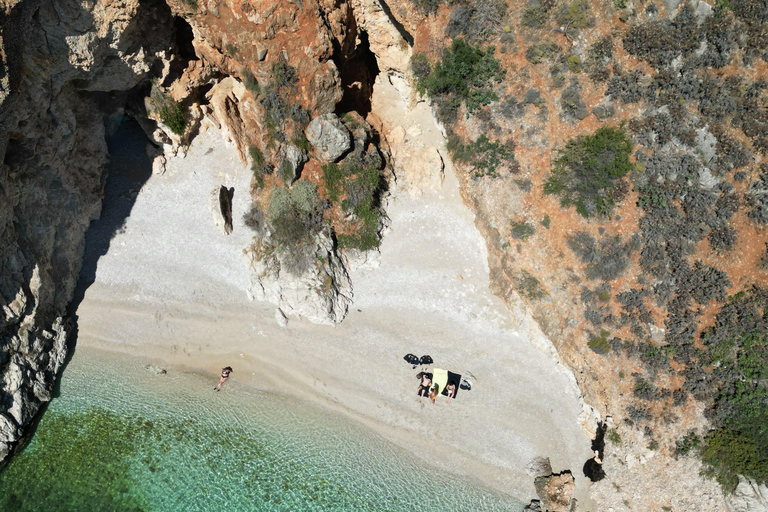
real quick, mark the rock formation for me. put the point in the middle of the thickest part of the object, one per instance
(64, 65)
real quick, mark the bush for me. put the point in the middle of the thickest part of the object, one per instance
(476, 21)
(599, 344)
(421, 67)
(169, 111)
(251, 83)
(571, 104)
(737, 356)
(357, 188)
(575, 14)
(534, 17)
(484, 156)
(294, 215)
(528, 286)
(588, 171)
(538, 52)
(606, 260)
(283, 74)
(522, 231)
(463, 75)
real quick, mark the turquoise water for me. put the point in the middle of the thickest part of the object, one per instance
(122, 437)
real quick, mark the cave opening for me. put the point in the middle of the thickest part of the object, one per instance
(184, 49)
(358, 72)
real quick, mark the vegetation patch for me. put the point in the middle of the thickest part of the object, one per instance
(170, 112)
(737, 356)
(294, 215)
(589, 170)
(464, 75)
(522, 231)
(599, 344)
(357, 189)
(538, 52)
(485, 156)
(528, 286)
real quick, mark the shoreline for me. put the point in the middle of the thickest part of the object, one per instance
(173, 280)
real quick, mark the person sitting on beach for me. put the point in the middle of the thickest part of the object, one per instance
(451, 390)
(224, 376)
(434, 392)
(426, 383)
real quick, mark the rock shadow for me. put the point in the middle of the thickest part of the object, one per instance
(128, 169)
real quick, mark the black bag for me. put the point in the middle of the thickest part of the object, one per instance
(411, 359)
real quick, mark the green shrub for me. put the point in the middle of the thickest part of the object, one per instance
(484, 156)
(294, 215)
(283, 74)
(613, 437)
(737, 355)
(463, 75)
(534, 17)
(528, 286)
(169, 111)
(599, 344)
(688, 443)
(574, 63)
(575, 15)
(251, 83)
(231, 50)
(538, 52)
(588, 171)
(361, 187)
(522, 231)
(192, 4)
(546, 222)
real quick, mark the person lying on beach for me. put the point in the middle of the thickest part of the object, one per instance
(224, 376)
(426, 383)
(434, 392)
(451, 390)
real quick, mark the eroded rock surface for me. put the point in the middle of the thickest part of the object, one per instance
(65, 64)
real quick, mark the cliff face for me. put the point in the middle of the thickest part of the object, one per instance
(64, 64)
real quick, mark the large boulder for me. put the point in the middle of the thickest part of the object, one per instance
(555, 491)
(329, 135)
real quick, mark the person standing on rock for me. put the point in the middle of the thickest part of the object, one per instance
(224, 376)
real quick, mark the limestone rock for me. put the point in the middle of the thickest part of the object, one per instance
(329, 135)
(555, 491)
(749, 496)
(322, 292)
(293, 161)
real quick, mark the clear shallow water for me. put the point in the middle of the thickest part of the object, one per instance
(122, 437)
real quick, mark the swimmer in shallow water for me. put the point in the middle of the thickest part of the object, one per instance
(224, 376)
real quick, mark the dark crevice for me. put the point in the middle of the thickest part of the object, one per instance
(358, 73)
(185, 50)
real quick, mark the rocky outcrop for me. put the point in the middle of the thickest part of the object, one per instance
(321, 292)
(749, 496)
(64, 65)
(329, 136)
(555, 490)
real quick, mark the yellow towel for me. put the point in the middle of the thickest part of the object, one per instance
(440, 377)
